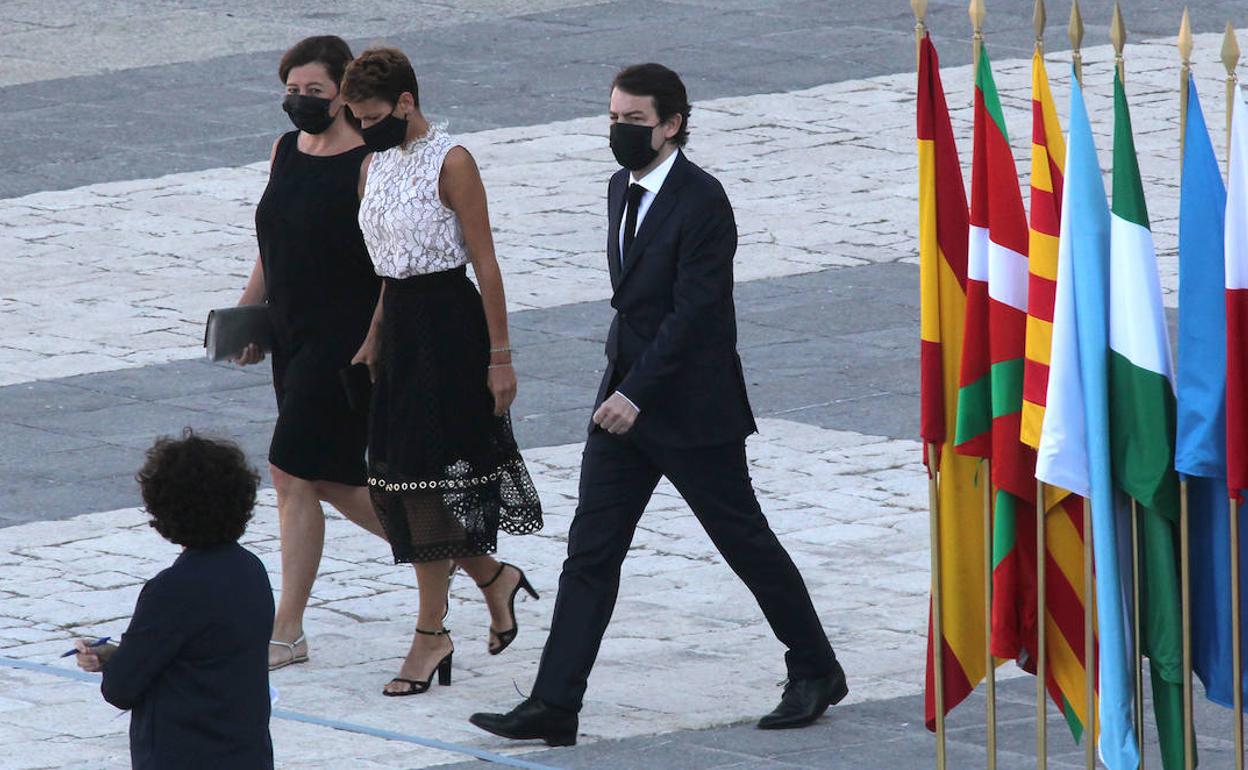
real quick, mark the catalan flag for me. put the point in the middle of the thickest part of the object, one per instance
(1064, 511)
(1048, 158)
(943, 228)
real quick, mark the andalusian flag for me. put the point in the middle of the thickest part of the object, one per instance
(1064, 511)
(1074, 439)
(991, 392)
(1142, 424)
(942, 282)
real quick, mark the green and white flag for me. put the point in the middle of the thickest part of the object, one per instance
(1142, 424)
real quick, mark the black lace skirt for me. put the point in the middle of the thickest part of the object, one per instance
(444, 472)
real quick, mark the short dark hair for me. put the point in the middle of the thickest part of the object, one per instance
(662, 85)
(380, 73)
(199, 492)
(329, 51)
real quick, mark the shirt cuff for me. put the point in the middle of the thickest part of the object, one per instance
(629, 400)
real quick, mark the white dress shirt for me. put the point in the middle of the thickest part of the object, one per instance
(653, 182)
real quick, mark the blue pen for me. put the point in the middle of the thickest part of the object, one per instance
(97, 643)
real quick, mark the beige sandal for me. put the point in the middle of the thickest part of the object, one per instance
(290, 647)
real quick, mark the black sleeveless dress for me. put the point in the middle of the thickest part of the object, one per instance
(321, 291)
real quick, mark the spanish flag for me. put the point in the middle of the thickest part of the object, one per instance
(944, 225)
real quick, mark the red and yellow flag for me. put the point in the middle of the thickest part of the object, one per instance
(943, 231)
(1064, 511)
(991, 394)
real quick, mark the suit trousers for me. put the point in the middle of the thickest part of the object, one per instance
(618, 477)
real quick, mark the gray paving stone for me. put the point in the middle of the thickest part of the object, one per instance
(874, 735)
(497, 72)
(833, 349)
(48, 397)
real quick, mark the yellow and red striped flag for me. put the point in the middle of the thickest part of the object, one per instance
(1064, 511)
(943, 232)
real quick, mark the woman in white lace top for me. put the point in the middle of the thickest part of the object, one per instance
(444, 470)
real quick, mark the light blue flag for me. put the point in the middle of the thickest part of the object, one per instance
(1201, 447)
(1088, 230)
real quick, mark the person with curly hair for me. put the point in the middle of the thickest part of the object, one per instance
(192, 668)
(444, 470)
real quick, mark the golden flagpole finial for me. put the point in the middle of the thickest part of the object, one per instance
(1185, 38)
(977, 13)
(1185, 74)
(1038, 21)
(920, 24)
(1075, 30)
(1230, 51)
(1230, 58)
(1118, 36)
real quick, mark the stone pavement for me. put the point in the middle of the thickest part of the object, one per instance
(125, 213)
(850, 507)
(122, 274)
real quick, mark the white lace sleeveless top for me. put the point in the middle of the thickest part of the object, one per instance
(407, 228)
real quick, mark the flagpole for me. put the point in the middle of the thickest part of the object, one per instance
(1189, 743)
(933, 495)
(1075, 31)
(920, 27)
(1135, 610)
(1185, 578)
(1076, 39)
(1038, 19)
(1230, 58)
(977, 13)
(1118, 36)
(938, 625)
(1237, 662)
(1185, 73)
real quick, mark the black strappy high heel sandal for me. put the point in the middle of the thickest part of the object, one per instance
(417, 686)
(505, 638)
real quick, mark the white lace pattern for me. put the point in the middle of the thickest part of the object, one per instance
(407, 228)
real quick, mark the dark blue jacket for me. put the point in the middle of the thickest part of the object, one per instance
(192, 668)
(672, 347)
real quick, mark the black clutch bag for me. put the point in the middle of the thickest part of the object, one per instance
(230, 330)
(358, 385)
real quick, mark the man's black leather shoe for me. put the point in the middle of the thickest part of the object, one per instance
(805, 700)
(532, 719)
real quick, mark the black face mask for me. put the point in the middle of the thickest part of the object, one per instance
(310, 114)
(630, 143)
(384, 134)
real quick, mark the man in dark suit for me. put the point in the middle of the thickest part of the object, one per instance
(672, 404)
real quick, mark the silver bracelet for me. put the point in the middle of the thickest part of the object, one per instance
(501, 350)
(499, 366)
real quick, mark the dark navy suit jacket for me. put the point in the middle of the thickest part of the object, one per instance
(672, 348)
(192, 668)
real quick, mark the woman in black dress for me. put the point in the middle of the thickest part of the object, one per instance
(313, 271)
(444, 470)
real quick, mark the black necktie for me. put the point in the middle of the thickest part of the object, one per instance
(635, 194)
